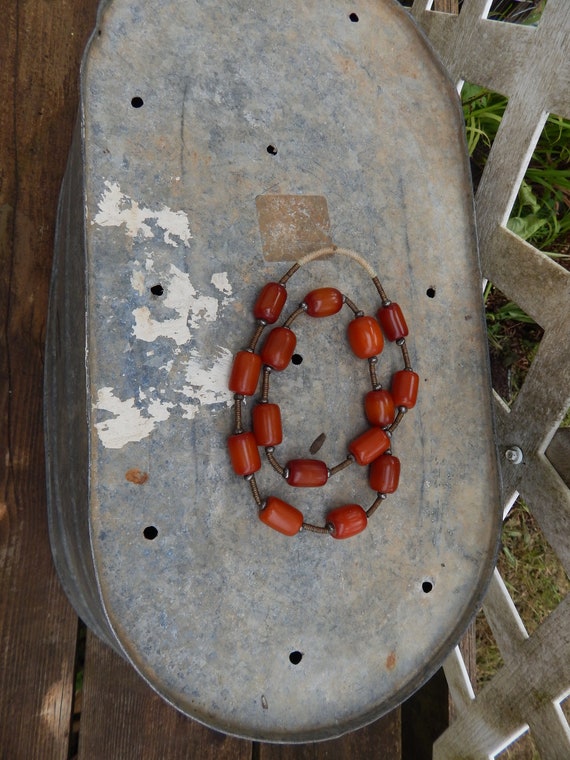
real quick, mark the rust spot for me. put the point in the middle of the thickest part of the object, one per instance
(134, 475)
(391, 661)
(292, 225)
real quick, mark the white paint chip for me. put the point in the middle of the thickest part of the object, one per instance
(117, 209)
(128, 424)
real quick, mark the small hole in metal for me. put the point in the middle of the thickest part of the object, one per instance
(150, 532)
(137, 102)
(272, 150)
(354, 17)
(157, 290)
(430, 292)
(427, 586)
(295, 657)
(297, 359)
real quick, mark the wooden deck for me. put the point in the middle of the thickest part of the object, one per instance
(41, 44)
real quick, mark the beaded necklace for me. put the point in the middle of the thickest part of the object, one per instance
(384, 409)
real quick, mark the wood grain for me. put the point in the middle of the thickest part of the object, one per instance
(123, 718)
(40, 47)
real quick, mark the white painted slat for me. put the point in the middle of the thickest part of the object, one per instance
(531, 66)
(458, 680)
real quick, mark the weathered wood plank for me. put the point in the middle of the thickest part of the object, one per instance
(379, 741)
(41, 45)
(123, 718)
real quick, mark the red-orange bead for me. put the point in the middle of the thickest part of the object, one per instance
(404, 388)
(306, 473)
(347, 521)
(369, 446)
(323, 302)
(392, 321)
(379, 407)
(244, 453)
(270, 302)
(365, 337)
(278, 348)
(384, 474)
(245, 373)
(281, 516)
(266, 421)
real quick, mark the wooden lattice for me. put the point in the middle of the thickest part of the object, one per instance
(531, 66)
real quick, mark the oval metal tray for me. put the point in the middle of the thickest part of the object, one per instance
(218, 141)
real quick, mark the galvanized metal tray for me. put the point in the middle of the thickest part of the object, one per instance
(216, 142)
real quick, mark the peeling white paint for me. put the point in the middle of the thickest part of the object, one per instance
(220, 281)
(117, 209)
(207, 384)
(128, 424)
(190, 307)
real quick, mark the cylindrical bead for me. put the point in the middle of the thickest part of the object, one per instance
(347, 521)
(323, 302)
(379, 407)
(281, 516)
(266, 421)
(270, 302)
(365, 337)
(392, 321)
(306, 473)
(244, 453)
(278, 348)
(369, 445)
(245, 373)
(384, 474)
(404, 388)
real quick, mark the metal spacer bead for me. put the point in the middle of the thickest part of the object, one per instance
(238, 397)
(386, 302)
(262, 322)
(402, 409)
(378, 387)
(285, 473)
(269, 449)
(382, 495)
(373, 360)
(303, 306)
(359, 313)
(328, 472)
(329, 526)
(400, 341)
(248, 477)
(388, 432)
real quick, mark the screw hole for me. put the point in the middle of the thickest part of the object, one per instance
(430, 292)
(150, 532)
(271, 149)
(427, 586)
(297, 359)
(295, 657)
(137, 102)
(354, 17)
(157, 290)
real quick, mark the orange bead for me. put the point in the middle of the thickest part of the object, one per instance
(347, 521)
(245, 373)
(323, 302)
(281, 516)
(278, 348)
(365, 337)
(369, 446)
(266, 420)
(384, 474)
(380, 408)
(392, 321)
(270, 302)
(404, 388)
(306, 473)
(244, 453)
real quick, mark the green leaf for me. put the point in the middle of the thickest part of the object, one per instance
(525, 226)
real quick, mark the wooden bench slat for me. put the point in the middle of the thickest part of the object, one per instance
(123, 718)
(41, 45)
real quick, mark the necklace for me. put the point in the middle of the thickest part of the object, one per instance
(384, 409)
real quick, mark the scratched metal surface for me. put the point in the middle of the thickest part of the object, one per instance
(181, 101)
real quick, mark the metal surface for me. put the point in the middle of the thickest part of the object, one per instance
(192, 112)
